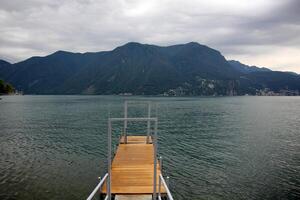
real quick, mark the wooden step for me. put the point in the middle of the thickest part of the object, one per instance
(133, 197)
(136, 140)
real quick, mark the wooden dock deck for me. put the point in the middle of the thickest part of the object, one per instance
(133, 166)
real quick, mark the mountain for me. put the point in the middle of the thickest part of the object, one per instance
(278, 82)
(246, 69)
(45, 75)
(260, 78)
(4, 63)
(5, 69)
(185, 69)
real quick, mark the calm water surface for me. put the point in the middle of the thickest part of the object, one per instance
(54, 147)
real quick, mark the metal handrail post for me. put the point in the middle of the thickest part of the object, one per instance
(109, 160)
(166, 187)
(148, 123)
(125, 121)
(155, 159)
(159, 181)
(98, 187)
(168, 181)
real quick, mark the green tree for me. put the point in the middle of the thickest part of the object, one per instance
(9, 88)
(6, 88)
(2, 86)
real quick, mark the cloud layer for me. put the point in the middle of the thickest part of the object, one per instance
(257, 32)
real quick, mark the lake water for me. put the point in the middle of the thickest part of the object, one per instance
(54, 147)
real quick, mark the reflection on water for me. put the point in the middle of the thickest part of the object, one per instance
(54, 147)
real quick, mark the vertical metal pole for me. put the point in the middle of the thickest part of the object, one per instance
(148, 123)
(159, 180)
(109, 161)
(156, 109)
(125, 122)
(168, 181)
(100, 189)
(155, 160)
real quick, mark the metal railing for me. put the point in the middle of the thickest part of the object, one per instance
(109, 157)
(169, 195)
(148, 103)
(161, 181)
(98, 187)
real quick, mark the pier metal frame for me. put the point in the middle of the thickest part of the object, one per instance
(109, 149)
(98, 187)
(161, 181)
(161, 178)
(148, 103)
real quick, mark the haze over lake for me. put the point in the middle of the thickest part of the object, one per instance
(54, 147)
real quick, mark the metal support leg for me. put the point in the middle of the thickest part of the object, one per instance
(125, 121)
(155, 160)
(159, 180)
(108, 187)
(148, 123)
(168, 181)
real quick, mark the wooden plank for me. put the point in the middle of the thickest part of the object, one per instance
(135, 140)
(133, 197)
(132, 168)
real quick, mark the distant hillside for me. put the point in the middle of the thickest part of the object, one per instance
(5, 69)
(246, 69)
(278, 82)
(186, 69)
(4, 63)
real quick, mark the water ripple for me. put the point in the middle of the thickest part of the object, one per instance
(54, 147)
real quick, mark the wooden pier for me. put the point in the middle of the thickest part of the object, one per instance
(134, 171)
(132, 167)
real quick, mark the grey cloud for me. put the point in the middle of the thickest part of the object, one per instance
(243, 27)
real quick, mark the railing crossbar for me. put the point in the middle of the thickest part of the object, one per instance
(97, 187)
(138, 102)
(166, 187)
(153, 119)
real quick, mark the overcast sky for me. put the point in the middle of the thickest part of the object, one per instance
(255, 32)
